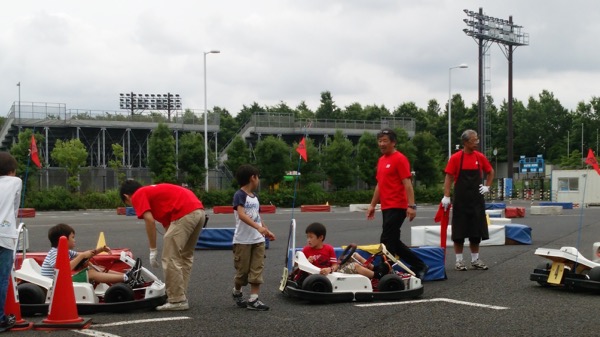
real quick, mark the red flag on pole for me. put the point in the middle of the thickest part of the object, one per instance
(34, 153)
(591, 160)
(301, 149)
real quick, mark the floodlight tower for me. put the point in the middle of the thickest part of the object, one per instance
(486, 30)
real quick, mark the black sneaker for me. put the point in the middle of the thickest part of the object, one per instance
(257, 305)
(134, 275)
(239, 300)
(9, 322)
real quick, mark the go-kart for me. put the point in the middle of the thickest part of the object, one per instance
(568, 269)
(301, 279)
(34, 295)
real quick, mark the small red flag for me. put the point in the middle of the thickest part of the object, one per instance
(34, 153)
(591, 160)
(301, 149)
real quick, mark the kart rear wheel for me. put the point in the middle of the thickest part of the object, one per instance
(119, 292)
(391, 282)
(30, 293)
(594, 274)
(317, 283)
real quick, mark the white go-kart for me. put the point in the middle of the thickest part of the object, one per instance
(35, 290)
(568, 269)
(301, 279)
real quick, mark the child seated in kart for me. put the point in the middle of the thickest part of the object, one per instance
(323, 255)
(79, 260)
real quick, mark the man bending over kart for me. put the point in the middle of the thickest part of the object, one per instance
(79, 260)
(323, 256)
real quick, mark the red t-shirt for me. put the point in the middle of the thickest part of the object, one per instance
(323, 257)
(166, 202)
(471, 161)
(391, 170)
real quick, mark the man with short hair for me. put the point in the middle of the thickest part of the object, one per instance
(465, 169)
(395, 192)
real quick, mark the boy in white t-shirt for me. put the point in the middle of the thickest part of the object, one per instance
(248, 239)
(10, 185)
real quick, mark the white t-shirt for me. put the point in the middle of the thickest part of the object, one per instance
(245, 233)
(10, 198)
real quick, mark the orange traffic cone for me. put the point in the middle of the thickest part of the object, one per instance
(13, 306)
(62, 313)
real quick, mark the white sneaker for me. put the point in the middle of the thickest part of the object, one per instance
(179, 306)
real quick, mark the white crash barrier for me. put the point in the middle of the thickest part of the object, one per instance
(546, 210)
(362, 207)
(500, 221)
(430, 236)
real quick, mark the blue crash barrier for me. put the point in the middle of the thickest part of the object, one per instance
(495, 205)
(519, 233)
(218, 238)
(565, 205)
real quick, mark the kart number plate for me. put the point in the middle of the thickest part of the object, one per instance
(556, 273)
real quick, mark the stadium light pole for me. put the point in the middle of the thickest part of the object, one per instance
(450, 106)
(206, 121)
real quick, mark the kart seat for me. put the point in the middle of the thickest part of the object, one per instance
(32, 272)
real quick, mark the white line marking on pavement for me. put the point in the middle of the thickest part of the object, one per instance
(141, 321)
(89, 332)
(487, 306)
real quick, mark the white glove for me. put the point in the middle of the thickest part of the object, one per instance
(483, 189)
(154, 258)
(446, 202)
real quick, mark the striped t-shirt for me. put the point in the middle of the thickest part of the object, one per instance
(50, 261)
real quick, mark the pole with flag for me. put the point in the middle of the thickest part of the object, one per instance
(301, 149)
(591, 160)
(33, 152)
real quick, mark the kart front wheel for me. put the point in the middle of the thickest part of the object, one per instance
(317, 283)
(391, 282)
(119, 292)
(30, 293)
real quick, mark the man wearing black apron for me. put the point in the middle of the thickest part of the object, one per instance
(465, 168)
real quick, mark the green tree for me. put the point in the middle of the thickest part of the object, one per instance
(428, 164)
(246, 113)
(71, 155)
(573, 161)
(375, 113)
(116, 162)
(272, 159)
(367, 155)
(238, 154)
(327, 109)
(228, 127)
(191, 149)
(161, 155)
(302, 111)
(337, 162)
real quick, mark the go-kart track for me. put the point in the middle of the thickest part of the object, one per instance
(501, 301)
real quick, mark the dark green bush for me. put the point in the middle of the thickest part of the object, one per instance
(55, 199)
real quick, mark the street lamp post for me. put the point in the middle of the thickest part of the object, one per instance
(206, 121)
(450, 107)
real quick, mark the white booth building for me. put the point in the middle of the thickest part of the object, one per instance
(569, 186)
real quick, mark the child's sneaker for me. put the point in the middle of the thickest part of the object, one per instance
(134, 275)
(478, 264)
(9, 322)
(239, 300)
(257, 305)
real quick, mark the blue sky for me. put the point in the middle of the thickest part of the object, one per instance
(372, 52)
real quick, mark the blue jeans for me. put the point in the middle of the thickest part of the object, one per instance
(6, 263)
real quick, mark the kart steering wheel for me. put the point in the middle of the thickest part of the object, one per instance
(347, 254)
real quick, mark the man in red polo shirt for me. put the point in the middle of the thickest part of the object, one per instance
(395, 192)
(182, 215)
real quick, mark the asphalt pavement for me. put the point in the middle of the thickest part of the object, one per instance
(498, 302)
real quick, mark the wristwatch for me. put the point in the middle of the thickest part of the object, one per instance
(413, 206)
